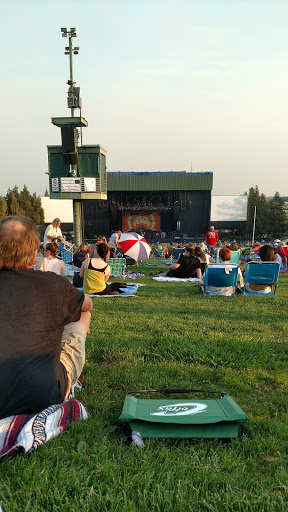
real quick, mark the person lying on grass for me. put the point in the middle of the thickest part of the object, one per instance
(189, 267)
(96, 272)
(224, 258)
(44, 322)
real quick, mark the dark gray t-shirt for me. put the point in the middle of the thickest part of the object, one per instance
(188, 267)
(34, 308)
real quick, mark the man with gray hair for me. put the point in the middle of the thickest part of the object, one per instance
(44, 322)
(53, 232)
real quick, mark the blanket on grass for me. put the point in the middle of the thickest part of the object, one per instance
(176, 279)
(70, 269)
(152, 264)
(128, 291)
(129, 275)
(25, 432)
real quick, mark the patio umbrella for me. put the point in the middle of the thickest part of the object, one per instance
(135, 246)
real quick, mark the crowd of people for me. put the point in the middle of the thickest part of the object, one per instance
(38, 368)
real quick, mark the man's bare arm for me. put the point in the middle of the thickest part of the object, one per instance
(87, 304)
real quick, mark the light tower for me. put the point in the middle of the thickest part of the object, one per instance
(75, 171)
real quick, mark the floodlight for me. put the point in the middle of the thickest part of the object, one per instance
(66, 53)
(64, 34)
(77, 48)
(73, 29)
(63, 29)
(76, 53)
(66, 48)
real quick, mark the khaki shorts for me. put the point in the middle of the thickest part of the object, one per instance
(73, 353)
(259, 292)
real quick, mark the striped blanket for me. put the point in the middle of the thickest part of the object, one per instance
(25, 432)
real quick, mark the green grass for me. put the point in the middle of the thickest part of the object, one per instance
(169, 336)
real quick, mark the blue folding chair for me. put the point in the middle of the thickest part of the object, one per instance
(66, 251)
(262, 272)
(220, 276)
(235, 256)
(176, 253)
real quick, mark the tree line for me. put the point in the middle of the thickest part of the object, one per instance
(22, 203)
(270, 214)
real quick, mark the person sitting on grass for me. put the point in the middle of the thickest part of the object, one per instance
(203, 258)
(96, 272)
(101, 239)
(234, 246)
(266, 254)
(224, 258)
(190, 245)
(189, 267)
(49, 262)
(80, 255)
(281, 257)
(44, 322)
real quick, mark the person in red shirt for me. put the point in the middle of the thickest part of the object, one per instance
(211, 237)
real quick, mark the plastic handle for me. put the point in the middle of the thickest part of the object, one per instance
(185, 390)
(176, 390)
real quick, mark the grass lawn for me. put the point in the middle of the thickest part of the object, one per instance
(169, 336)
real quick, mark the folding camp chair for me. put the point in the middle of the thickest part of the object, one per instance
(66, 250)
(176, 253)
(159, 253)
(220, 276)
(183, 419)
(117, 266)
(130, 261)
(262, 272)
(235, 256)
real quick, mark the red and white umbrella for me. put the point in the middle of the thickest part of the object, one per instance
(135, 246)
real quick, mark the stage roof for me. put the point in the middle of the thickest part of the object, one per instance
(149, 181)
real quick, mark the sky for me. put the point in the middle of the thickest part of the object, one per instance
(166, 85)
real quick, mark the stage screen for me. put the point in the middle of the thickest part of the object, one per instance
(141, 220)
(228, 208)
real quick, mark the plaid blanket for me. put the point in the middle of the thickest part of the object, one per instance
(25, 432)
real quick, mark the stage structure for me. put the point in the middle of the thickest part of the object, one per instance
(76, 171)
(175, 203)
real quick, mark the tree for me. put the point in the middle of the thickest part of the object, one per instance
(3, 207)
(25, 202)
(262, 211)
(13, 202)
(262, 215)
(277, 217)
(38, 212)
(22, 203)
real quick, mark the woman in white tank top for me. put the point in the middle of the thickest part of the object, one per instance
(49, 263)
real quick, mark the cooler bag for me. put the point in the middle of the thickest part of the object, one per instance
(182, 418)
